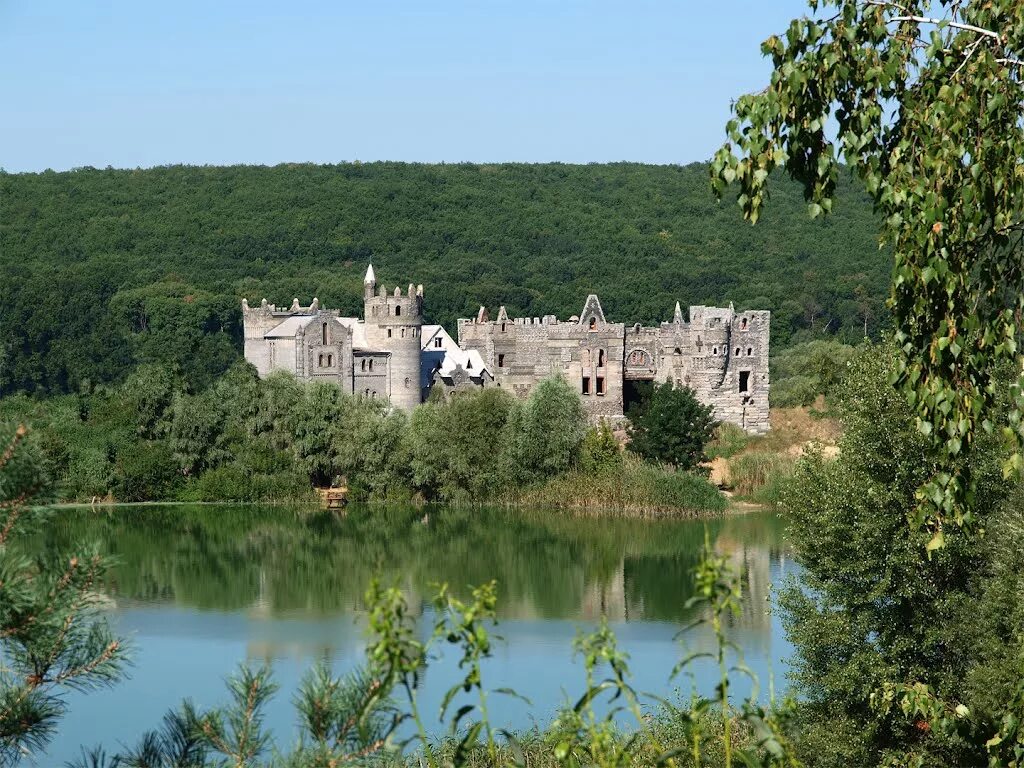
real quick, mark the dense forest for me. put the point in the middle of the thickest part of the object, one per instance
(102, 270)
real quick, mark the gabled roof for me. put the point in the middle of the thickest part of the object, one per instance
(288, 328)
(592, 309)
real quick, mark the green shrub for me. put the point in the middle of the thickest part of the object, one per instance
(728, 441)
(600, 449)
(804, 371)
(672, 428)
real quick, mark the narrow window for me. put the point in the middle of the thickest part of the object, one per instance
(398, 311)
(600, 359)
(593, 323)
(403, 333)
(373, 395)
(743, 324)
(367, 391)
(469, 365)
(371, 363)
(389, 333)
(324, 329)
(600, 385)
(714, 350)
(744, 381)
(502, 327)
(437, 342)
(750, 351)
(501, 361)
(737, 351)
(363, 366)
(586, 385)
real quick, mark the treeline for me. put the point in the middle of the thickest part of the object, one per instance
(274, 439)
(105, 270)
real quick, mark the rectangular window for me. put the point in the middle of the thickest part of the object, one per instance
(744, 381)
(586, 385)
(501, 361)
(600, 385)
(437, 342)
(389, 333)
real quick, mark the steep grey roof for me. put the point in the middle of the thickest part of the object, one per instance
(288, 328)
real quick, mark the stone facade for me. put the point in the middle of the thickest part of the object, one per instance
(375, 357)
(721, 354)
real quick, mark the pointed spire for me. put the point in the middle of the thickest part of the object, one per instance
(678, 317)
(370, 276)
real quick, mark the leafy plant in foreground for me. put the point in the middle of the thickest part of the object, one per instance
(52, 637)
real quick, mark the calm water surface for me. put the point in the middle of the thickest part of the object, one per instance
(199, 590)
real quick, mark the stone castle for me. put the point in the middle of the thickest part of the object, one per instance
(391, 354)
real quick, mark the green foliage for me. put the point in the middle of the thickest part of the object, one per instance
(760, 476)
(52, 636)
(804, 371)
(107, 269)
(600, 449)
(672, 428)
(872, 607)
(630, 486)
(729, 439)
(928, 98)
(546, 438)
(455, 448)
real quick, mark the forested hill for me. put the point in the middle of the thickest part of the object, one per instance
(103, 269)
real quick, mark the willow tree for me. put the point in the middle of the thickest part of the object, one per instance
(922, 100)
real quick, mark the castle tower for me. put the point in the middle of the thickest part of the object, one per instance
(393, 323)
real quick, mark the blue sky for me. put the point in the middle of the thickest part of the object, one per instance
(134, 83)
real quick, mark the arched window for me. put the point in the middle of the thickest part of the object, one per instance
(743, 324)
(363, 366)
(330, 360)
(373, 395)
(600, 358)
(714, 350)
(737, 351)
(367, 391)
(320, 362)
(593, 323)
(371, 363)
(398, 311)
(403, 333)
(750, 351)
(324, 331)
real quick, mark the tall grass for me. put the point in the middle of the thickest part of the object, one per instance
(630, 486)
(760, 476)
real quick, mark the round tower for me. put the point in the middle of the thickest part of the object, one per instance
(393, 323)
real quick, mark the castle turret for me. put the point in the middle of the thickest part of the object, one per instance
(393, 323)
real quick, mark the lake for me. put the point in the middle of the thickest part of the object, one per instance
(198, 590)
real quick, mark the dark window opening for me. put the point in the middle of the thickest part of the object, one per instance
(750, 351)
(437, 342)
(744, 381)
(737, 351)
(714, 350)
(501, 361)
(600, 385)
(743, 324)
(325, 334)
(600, 358)
(389, 333)
(678, 351)
(363, 365)
(371, 363)
(586, 385)
(330, 360)
(398, 311)
(593, 323)
(469, 365)
(321, 361)
(502, 327)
